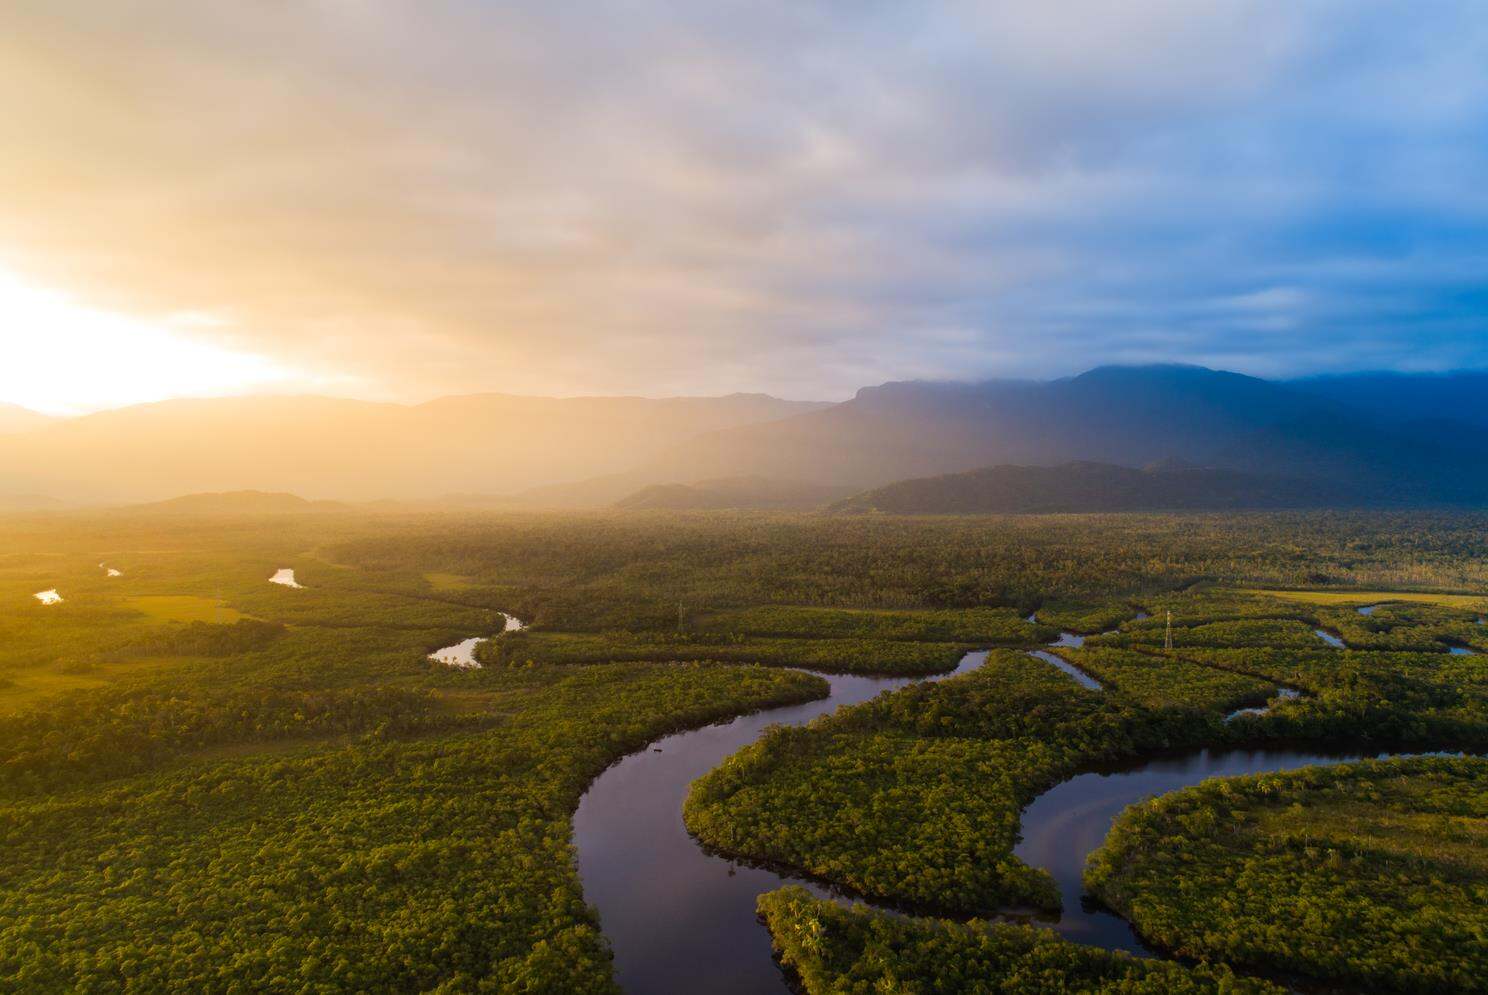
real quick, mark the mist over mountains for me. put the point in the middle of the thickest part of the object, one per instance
(1376, 445)
(14, 418)
(1393, 439)
(332, 448)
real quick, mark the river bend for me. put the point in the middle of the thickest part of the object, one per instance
(675, 913)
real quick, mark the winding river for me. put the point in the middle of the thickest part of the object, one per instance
(675, 913)
(1064, 824)
(461, 655)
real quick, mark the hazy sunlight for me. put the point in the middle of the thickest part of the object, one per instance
(64, 358)
(562, 494)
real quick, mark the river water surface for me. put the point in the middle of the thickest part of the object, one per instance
(1332, 639)
(680, 919)
(461, 655)
(1063, 825)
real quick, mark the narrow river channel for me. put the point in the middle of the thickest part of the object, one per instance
(679, 918)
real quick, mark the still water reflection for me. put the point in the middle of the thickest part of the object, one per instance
(680, 919)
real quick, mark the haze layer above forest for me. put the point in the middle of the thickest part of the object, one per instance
(1366, 438)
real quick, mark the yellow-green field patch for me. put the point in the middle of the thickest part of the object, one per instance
(449, 582)
(1373, 597)
(183, 608)
(24, 686)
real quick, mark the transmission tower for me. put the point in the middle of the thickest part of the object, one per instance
(1168, 636)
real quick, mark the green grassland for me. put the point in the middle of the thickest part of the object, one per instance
(1360, 598)
(211, 782)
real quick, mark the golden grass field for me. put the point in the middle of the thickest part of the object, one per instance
(183, 608)
(1373, 597)
(449, 582)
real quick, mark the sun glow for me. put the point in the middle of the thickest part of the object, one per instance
(61, 357)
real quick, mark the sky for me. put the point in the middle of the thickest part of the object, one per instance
(399, 201)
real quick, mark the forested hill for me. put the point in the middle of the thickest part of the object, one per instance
(1344, 433)
(1403, 398)
(1088, 487)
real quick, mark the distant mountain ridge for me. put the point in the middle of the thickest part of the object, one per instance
(237, 503)
(355, 450)
(1460, 396)
(1127, 416)
(1088, 487)
(1377, 439)
(732, 492)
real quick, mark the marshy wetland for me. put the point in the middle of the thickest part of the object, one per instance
(164, 728)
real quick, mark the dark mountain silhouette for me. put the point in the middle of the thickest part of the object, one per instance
(1124, 415)
(1088, 487)
(1381, 462)
(1404, 398)
(1127, 416)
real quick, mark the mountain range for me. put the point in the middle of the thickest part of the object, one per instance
(1085, 487)
(358, 450)
(1380, 439)
(1129, 416)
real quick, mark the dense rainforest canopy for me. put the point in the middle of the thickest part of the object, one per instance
(208, 781)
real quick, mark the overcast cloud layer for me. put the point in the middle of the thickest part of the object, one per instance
(801, 198)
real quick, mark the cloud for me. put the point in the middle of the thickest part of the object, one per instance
(805, 197)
